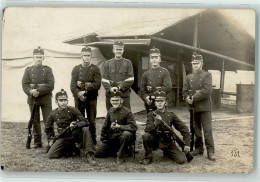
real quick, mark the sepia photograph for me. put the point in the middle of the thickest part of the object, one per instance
(143, 90)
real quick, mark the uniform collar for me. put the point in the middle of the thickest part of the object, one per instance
(117, 109)
(86, 66)
(198, 72)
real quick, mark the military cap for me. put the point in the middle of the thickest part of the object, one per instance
(117, 94)
(196, 58)
(85, 49)
(61, 94)
(38, 51)
(118, 43)
(160, 95)
(155, 51)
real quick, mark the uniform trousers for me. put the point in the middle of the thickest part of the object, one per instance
(65, 146)
(90, 106)
(46, 109)
(118, 144)
(203, 120)
(152, 142)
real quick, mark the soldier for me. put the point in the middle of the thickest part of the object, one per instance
(118, 75)
(119, 130)
(38, 84)
(85, 83)
(200, 84)
(65, 116)
(157, 76)
(157, 136)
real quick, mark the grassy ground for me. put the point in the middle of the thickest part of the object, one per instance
(229, 135)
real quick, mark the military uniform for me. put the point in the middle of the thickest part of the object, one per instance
(117, 141)
(157, 136)
(63, 146)
(42, 79)
(90, 79)
(200, 84)
(159, 77)
(118, 73)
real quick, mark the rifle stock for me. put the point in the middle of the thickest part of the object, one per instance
(180, 142)
(29, 137)
(63, 133)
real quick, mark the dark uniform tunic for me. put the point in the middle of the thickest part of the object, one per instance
(63, 118)
(42, 79)
(159, 77)
(120, 73)
(200, 84)
(90, 74)
(117, 141)
(158, 136)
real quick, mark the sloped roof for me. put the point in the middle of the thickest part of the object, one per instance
(216, 33)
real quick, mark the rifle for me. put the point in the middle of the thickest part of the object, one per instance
(66, 131)
(149, 91)
(180, 142)
(192, 132)
(29, 137)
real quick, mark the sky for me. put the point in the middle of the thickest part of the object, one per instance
(30, 27)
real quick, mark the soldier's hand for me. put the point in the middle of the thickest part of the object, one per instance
(79, 84)
(113, 126)
(36, 93)
(32, 91)
(186, 149)
(158, 117)
(148, 101)
(73, 124)
(50, 143)
(117, 126)
(113, 89)
(189, 101)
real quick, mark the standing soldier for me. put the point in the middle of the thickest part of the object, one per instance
(85, 83)
(158, 136)
(119, 130)
(38, 84)
(157, 76)
(199, 82)
(73, 125)
(118, 75)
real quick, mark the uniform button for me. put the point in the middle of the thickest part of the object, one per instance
(160, 71)
(58, 119)
(200, 85)
(43, 69)
(159, 76)
(191, 80)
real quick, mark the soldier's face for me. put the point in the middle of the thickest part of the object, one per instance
(155, 59)
(38, 59)
(62, 102)
(160, 104)
(116, 102)
(86, 57)
(196, 66)
(118, 51)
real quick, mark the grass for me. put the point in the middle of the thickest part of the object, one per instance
(232, 135)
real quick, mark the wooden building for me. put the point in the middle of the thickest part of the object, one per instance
(224, 45)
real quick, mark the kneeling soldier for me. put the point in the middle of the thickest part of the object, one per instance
(72, 127)
(119, 130)
(158, 136)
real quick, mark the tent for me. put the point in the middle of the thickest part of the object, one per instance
(14, 106)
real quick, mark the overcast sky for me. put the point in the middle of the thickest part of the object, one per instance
(29, 27)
